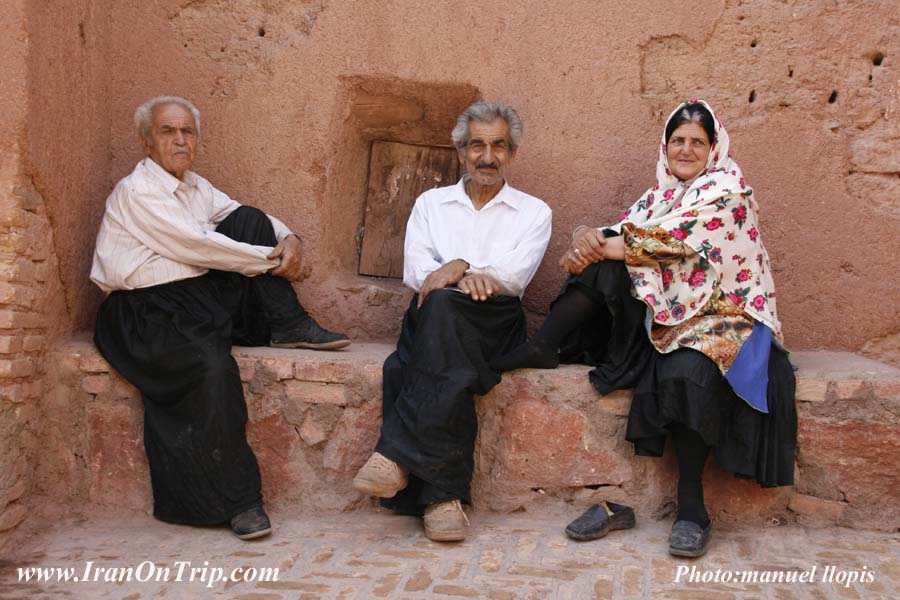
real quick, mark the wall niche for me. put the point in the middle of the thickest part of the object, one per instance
(393, 144)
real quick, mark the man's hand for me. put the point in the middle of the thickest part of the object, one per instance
(479, 286)
(447, 275)
(289, 251)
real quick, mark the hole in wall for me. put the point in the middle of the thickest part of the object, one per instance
(261, 32)
(833, 97)
(754, 43)
(878, 58)
(790, 71)
(752, 97)
(81, 35)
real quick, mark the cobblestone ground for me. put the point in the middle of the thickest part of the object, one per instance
(379, 555)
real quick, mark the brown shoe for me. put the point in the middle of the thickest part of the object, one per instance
(381, 477)
(446, 522)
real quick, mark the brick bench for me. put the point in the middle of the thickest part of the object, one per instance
(314, 418)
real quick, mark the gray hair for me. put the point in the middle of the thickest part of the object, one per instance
(143, 116)
(487, 112)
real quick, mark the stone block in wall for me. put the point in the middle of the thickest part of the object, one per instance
(14, 514)
(118, 471)
(314, 392)
(10, 344)
(20, 367)
(10, 319)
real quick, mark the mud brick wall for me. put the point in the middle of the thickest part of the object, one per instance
(31, 297)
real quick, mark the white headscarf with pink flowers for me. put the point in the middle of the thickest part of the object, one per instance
(715, 214)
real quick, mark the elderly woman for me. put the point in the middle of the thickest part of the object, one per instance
(677, 301)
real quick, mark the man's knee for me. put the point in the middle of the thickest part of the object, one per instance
(247, 224)
(442, 300)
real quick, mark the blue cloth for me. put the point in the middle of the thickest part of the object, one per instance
(749, 373)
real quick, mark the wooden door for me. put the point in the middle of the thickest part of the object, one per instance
(398, 174)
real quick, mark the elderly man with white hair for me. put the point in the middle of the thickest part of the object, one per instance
(470, 250)
(188, 271)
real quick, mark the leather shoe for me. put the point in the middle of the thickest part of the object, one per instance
(689, 539)
(251, 524)
(597, 521)
(309, 334)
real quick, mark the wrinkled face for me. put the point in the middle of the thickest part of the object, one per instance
(687, 150)
(487, 153)
(173, 138)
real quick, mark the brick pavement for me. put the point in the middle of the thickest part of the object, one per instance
(374, 555)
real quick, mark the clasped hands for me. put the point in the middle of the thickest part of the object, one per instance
(478, 286)
(588, 246)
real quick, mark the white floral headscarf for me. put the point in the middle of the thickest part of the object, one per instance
(715, 215)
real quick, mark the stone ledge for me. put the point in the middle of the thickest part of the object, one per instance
(314, 418)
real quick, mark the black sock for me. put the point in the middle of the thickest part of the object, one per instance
(691, 453)
(542, 351)
(569, 311)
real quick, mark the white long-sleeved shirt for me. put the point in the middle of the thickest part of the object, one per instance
(506, 239)
(158, 229)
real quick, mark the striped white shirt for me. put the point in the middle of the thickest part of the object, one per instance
(158, 229)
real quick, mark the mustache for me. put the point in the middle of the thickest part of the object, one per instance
(484, 165)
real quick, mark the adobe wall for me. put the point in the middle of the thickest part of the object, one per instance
(280, 84)
(32, 309)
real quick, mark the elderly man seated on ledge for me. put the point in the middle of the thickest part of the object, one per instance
(471, 249)
(188, 272)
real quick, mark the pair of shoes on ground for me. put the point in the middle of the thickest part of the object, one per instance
(687, 538)
(309, 334)
(383, 478)
(251, 524)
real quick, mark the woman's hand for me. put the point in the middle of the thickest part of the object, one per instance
(589, 242)
(588, 246)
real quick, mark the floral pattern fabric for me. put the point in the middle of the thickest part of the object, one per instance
(690, 241)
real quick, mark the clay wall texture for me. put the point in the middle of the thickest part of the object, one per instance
(277, 82)
(293, 91)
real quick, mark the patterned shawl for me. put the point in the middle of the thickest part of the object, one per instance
(715, 215)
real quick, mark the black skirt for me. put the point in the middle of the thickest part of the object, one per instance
(442, 357)
(173, 342)
(683, 387)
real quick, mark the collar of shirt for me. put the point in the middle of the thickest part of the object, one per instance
(506, 195)
(169, 182)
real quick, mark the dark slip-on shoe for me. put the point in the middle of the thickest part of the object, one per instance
(689, 539)
(599, 520)
(251, 524)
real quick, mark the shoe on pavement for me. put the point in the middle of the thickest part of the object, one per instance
(689, 539)
(599, 520)
(309, 334)
(446, 522)
(380, 477)
(251, 524)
